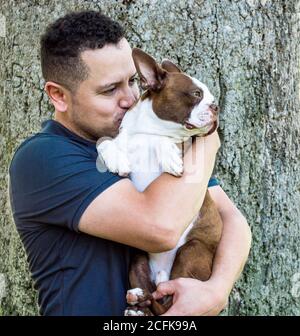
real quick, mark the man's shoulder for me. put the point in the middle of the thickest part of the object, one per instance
(46, 141)
(44, 148)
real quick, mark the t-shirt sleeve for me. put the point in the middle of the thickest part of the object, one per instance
(213, 181)
(54, 184)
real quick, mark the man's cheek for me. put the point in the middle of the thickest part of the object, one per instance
(103, 107)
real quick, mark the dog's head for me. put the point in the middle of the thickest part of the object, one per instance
(176, 96)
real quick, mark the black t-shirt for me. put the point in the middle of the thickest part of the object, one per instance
(53, 179)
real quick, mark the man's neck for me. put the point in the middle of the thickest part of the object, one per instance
(70, 127)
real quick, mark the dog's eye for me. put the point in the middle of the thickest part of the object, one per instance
(197, 94)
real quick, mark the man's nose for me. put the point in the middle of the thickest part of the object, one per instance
(128, 98)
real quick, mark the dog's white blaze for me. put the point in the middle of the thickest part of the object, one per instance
(201, 114)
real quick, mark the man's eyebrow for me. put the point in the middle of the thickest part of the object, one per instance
(101, 87)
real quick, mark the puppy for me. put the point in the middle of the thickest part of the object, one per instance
(174, 108)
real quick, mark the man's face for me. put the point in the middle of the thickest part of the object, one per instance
(101, 101)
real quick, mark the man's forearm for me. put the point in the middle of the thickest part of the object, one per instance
(194, 297)
(232, 252)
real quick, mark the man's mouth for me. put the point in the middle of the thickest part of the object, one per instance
(119, 120)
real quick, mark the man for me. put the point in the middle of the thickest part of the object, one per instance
(79, 226)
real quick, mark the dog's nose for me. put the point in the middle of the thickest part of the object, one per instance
(214, 108)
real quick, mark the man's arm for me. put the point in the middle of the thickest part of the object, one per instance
(152, 220)
(233, 250)
(194, 297)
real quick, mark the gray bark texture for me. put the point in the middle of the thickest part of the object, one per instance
(247, 52)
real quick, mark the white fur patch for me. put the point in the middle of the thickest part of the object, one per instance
(138, 292)
(132, 312)
(163, 262)
(201, 114)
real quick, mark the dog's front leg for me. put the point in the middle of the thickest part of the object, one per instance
(113, 154)
(169, 157)
(140, 297)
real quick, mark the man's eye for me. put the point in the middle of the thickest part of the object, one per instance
(109, 91)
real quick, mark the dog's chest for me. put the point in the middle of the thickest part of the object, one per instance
(151, 150)
(144, 161)
(146, 167)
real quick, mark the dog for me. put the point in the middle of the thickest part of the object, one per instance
(173, 108)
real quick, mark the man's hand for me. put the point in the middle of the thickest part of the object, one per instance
(193, 297)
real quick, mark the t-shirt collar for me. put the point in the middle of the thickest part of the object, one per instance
(55, 127)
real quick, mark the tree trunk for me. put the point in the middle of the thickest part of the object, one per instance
(247, 52)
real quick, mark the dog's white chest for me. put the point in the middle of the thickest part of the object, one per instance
(146, 165)
(144, 161)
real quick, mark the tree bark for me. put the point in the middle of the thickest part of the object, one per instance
(247, 52)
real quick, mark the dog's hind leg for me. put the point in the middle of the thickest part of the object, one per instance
(199, 267)
(140, 296)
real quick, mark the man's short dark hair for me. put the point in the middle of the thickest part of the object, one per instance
(66, 38)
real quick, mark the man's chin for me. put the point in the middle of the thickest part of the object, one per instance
(109, 132)
(112, 133)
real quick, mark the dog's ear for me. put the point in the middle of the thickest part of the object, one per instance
(169, 66)
(151, 74)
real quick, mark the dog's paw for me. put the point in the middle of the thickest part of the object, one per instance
(170, 158)
(114, 158)
(137, 311)
(133, 311)
(135, 296)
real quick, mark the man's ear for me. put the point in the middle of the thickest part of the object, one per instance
(58, 96)
(169, 66)
(151, 74)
